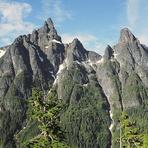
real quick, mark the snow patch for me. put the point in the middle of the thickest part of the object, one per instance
(141, 75)
(85, 85)
(41, 59)
(19, 72)
(77, 62)
(53, 76)
(55, 81)
(49, 92)
(2, 52)
(115, 55)
(90, 62)
(53, 41)
(51, 72)
(100, 61)
(112, 123)
(46, 47)
(61, 67)
(56, 41)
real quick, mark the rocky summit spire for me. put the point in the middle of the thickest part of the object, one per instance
(76, 51)
(108, 52)
(49, 24)
(76, 42)
(90, 87)
(126, 36)
(44, 35)
(52, 33)
(77, 46)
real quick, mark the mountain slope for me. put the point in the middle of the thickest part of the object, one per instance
(94, 88)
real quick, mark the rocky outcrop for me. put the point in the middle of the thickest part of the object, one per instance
(75, 52)
(108, 53)
(30, 61)
(94, 88)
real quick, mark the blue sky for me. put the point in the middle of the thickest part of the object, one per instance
(95, 22)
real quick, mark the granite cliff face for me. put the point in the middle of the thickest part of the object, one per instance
(94, 87)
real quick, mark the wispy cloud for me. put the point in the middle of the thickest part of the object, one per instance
(55, 9)
(132, 12)
(137, 20)
(67, 38)
(12, 21)
(90, 41)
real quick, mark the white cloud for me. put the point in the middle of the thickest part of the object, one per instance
(132, 12)
(12, 21)
(89, 41)
(143, 37)
(67, 38)
(137, 20)
(55, 9)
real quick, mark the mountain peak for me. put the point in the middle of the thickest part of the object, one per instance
(76, 41)
(76, 51)
(85, 85)
(47, 32)
(76, 44)
(108, 52)
(49, 23)
(126, 36)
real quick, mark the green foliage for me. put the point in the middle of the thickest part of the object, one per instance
(145, 141)
(11, 117)
(140, 116)
(130, 134)
(134, 90)
(13, 107)
(135, 100)
(74, 75)
(45, 111)
(31, 130)
(116, 96)
(86, 120)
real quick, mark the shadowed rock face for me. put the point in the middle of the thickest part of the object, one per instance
(108, 53)
(76, 52)
(89, 83)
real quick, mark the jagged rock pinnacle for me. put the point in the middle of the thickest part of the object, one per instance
(108, 52)
(76, 51)
(76, 42)
(91, 88)
(49, 23)
(126, 36)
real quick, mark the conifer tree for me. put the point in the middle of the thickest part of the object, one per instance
(130, 135)
(46, 110)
